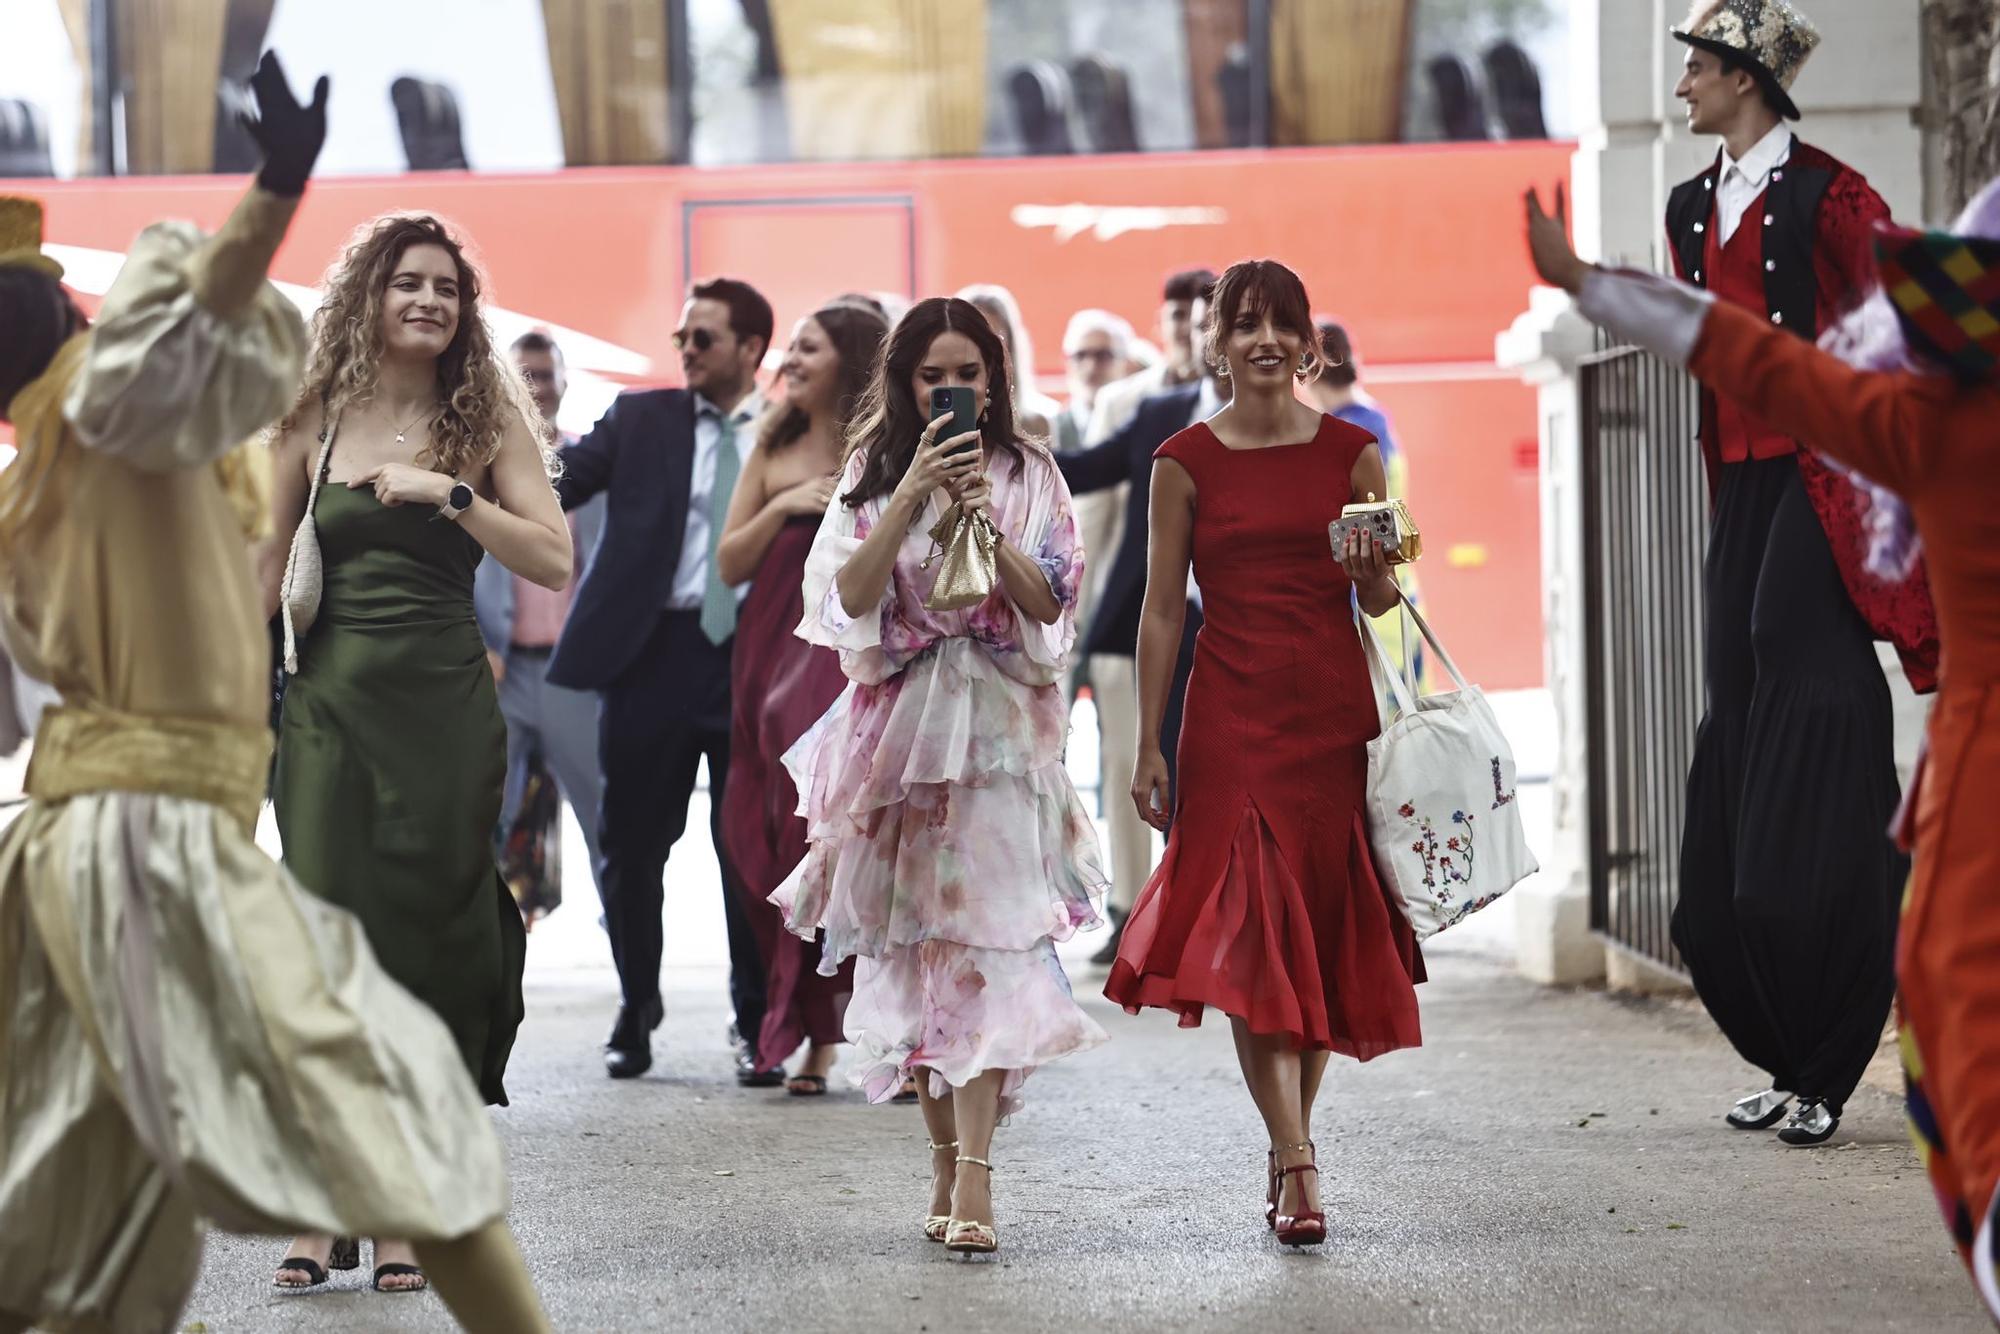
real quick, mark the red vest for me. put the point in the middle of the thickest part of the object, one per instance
(1736, 275)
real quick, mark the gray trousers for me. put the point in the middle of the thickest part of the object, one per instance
(561, 726)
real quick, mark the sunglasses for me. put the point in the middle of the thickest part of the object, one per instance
(1097, 354)
(702, 339)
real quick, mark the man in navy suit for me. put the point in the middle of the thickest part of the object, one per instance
(1126, 457)
(651, 630)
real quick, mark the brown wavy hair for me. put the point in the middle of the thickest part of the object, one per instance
(480, 393)
(1251, 287)
(856, 332)
(890, 420)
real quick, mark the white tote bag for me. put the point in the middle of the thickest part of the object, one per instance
(1442, 817)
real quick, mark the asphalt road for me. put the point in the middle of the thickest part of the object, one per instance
(1548, 1161)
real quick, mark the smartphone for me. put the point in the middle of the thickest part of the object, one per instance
(957, 400)
(1381, 523)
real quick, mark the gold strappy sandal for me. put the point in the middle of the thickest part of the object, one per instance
(964, 1236)
(935, 1224)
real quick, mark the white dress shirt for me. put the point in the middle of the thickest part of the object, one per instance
(1209, 402)
(691, 575)
(1743, 181)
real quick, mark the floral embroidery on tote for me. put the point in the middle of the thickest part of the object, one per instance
(1500, 797)
(1451, 865)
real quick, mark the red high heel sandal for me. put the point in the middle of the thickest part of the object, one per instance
(1308, 1226)
(1271, 1196)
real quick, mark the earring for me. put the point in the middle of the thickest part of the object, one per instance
(1222, 370)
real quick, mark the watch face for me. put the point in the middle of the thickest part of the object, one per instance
(461, 497)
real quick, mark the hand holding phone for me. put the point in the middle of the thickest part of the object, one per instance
(957, 402)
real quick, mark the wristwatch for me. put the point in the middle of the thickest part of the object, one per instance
(458, 502)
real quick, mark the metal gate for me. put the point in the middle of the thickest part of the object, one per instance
(1645, 526)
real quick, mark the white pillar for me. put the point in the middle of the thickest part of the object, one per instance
(1553, 941)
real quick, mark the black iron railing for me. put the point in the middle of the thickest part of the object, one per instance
(1645, 524)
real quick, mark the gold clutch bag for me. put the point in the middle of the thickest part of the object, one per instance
(1387, 520)
(967, 552)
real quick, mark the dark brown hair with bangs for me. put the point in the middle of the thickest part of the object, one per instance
(1248, 289)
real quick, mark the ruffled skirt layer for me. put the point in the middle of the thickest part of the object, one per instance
(187, 1036)
(948, 850)
(1321, 954)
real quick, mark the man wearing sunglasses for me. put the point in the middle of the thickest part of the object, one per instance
(651, 631)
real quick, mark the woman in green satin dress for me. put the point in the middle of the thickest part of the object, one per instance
(412, 452)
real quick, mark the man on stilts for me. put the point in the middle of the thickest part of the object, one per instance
(1789, 882)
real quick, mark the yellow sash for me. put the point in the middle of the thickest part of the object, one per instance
(78, 751)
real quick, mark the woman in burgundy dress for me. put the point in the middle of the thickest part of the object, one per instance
(780, 684)
(1266, 904)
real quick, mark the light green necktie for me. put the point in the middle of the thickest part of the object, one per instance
(718, 600)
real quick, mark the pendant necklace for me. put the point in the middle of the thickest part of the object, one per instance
(413, 421)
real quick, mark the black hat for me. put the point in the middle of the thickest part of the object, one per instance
(1770, 36)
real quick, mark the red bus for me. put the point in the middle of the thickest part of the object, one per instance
(1416, 248)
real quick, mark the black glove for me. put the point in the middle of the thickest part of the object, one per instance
(289, 134)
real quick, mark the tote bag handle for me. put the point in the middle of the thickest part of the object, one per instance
(1401, 685)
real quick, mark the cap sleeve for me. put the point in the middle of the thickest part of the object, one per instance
(1184, 445)
(1350, 440)
(167, 382)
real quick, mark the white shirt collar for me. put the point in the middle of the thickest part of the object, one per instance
(747, 410)
(1768, 152)
(1211, 400)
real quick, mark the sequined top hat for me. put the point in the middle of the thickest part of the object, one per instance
(1770, 36)
(1946, 291)
(21, 236)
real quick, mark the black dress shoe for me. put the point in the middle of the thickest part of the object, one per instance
(1759, 1111)
(1811, 1124)
(628, 1052)
(1108, 954)
(750, 1077)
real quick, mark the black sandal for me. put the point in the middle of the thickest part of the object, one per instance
(398, 1271)
(345, 1253)
(908, 1092)
(806, 1086)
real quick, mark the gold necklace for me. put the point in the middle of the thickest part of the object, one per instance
(429, 408)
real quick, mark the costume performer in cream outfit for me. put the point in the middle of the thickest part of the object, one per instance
(185, 1035)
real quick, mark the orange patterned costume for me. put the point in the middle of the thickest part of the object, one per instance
(1935, 441)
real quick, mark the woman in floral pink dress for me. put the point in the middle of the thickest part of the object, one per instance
(948, 848)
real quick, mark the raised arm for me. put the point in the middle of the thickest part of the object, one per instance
(756, 515)
(1872, 421)
(933, 466)
(1169, 554)
(1101, 466)
(588, 465)
(1032, 578)
(194, 351)
(1373, 578)
(522, 524)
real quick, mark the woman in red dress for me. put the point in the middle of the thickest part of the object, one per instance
(1266, 904)
(779, 684)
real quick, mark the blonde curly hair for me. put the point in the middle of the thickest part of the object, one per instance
(480, 393)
